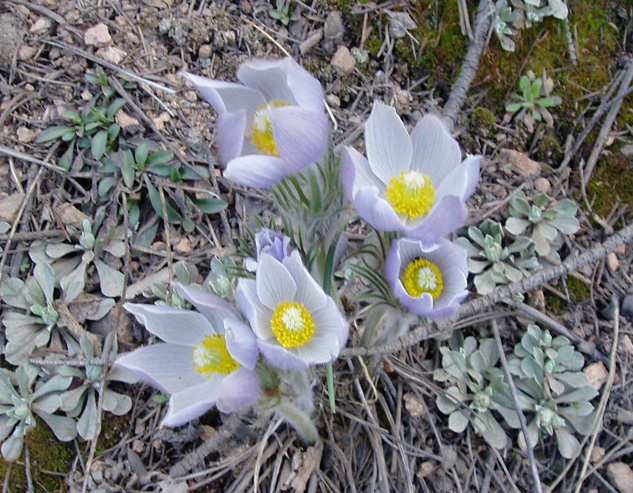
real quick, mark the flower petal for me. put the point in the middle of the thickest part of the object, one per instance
(300, 135)
(320, 349)
(227, 97)
(308, 290)
(269, 77)
(214, 308)
(435, 152)
(306, 88)
(183, 327)
(166, 366)
(356, 173)
(257, 171)
(376, 211)
(238, 390)
(279, 357)
(193, 402)
(389, 148)
(331, 320)
(231, 131)
(461, 181)
(241, 342)
(274, 283)
(445, 217)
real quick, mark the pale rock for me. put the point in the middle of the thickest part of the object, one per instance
(542, 185)
(612, 261)
(333, 28)
(41, 25)
(229, 36)
(98, 35)
(426, 469)
(625, 345)
(597, 375)
(597, 453)
(191, 96)
(520, 162)
(627, 150)
(112, 54)
(9, 207)
(26, 53)
(621, 250)
(333, 100)
(25, 135)
(160, 120)
(138, 446)
(343, 61)
(414, 405)
(622, 476)
(311, 41)
(125, 120)
(183, 246)
(625, 416)
(86, 95)
(204, 51)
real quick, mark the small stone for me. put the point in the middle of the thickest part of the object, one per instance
(622, 476)
(86, 95)
(112, 54)
(333, 100)
(627, 150)
(191, 96)
(204, 51)
(625, 416)
(25, 135)
(343, 61)
(621, 250)
(597, 375)
(183, 246)
(98, 35)
(426, 469)
(520, 163)
(414, 405)
(9, 207)
(311, 41)
(612, 261)
(125, 120)
(597, 453)
(333, 28)
(625, 345)
(26, 53)
(229, 37)
(542, 185)
(138, 446)
(41, 25)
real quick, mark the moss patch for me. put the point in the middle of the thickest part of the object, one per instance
(611, 183)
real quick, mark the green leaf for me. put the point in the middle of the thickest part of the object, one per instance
(55, 133)
(568, 444)
(116, 105)
(141, 154)
(457, 422)
(210, 205)
(513, 107)
(160, 157)
(99, 142)
(154, 197)
(110, 279)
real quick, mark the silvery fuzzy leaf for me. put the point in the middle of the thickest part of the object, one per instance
(477, 266)
(565, 223)
(469, 345)
(48, 403)
(558, 9)
(577, 362)
(532, 388)
(517, 226)
(579, 409)
(12, 447)
(556, 387)
(73, 398)
(478, 363)
(58, 383)
(546, 230)
(117, 404)
(564, 354)
(566, 206)
(445, 405)
(73, 283)
(532, 434)
(11, 292)
(497, 276)
(510, 416)
(490, 352)
(477, 236)
(581, 424)
(458, 395)
(506, 43)
(520, 244)
(46, 279)
(58, 250)
(63, 427)
(581, 394)
(531, 369)
(7, 391)
(33, 292)
(5, 428)
(111, 280)
(568, 444)
(530, 341)
(440, 375)
(457, 422)
(513, 274)
(455, 364)
(88, 422)
(484, 284)
(490, 428)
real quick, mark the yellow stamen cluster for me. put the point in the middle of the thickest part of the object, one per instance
(411, 194)
(260, 132)
(292, 324)
(211, 356)
(422, 276)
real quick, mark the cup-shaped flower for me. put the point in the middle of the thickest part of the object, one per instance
(271, 125)
(295, 322)
(414, 183)
(429, 280)
(207, 358)
(272, 243)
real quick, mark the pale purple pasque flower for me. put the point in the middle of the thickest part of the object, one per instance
(207, 359)
(429, 280)
(414, 183)
(272, 243)
(271, 125)
(296, 324)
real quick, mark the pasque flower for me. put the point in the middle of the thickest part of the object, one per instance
(207, 359)
(430, 280)
(295, 322)
(414, 183)
(272, 243)
(271, 125)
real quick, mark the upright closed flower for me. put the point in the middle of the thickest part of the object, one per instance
(415, 184)
(295, 322)
(272, 125)
(207, 359)
(428, 280)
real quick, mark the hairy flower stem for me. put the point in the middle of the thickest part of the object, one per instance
(299, 420)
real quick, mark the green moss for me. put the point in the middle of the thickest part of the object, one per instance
(46, 453)
(482, 121)
(611, 184)
(578, 290)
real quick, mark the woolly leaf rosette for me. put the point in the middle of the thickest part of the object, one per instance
(207, 358)
(428, 280)
(416, 184)
(296, 324)
(271, 125)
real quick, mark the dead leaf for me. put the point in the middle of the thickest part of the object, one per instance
(9, 206)
(414, 405)
(597, 374)
(520, 163)
(310, 460)
(69, 215)
(622, 476)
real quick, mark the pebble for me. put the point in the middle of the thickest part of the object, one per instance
(25, 135)
(343, 61)
(520, 162)
(41, 25)
(98, 35)
(112, 54)
(542, 185)
(333, 100)
(612, 261)
(86, 95)
(333, 28)
(26, 53)
(204, 51)
(125, 120)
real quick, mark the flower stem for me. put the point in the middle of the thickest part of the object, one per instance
(299, 420)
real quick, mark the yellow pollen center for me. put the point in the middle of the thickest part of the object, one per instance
(260, 132)
(422, 276)
(211, 356)
(411, 194)
(292, 324)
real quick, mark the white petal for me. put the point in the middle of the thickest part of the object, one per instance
(172, 324)
(191, 403)
(227, 96)
(357, 173)
(461, 181)
(268, 77)
(274, 283)
(389, 149)
(308, 290)
(435, 152)
(330, 320)
(321, 349)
